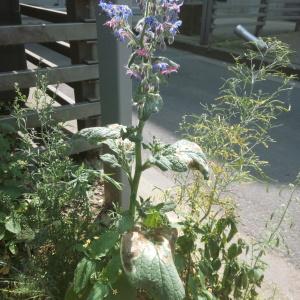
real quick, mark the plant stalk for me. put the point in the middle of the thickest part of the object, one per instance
(138, 169)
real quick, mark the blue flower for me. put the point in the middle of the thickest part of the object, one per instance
(158, 67)
(174, 27)
(122, 12)
(151, 21)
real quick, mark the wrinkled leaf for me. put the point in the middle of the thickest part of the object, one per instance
(99, 291)
(148, 263)
(96, 135)
(192, 155)
(13, 225)
(180, 157)
(26, 234)
(168, 162)
(106, 242)
(111, 160)
(83, 272)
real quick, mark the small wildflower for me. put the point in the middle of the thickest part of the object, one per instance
(87, 242)
(114, 291)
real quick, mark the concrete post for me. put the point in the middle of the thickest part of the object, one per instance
(115, 96)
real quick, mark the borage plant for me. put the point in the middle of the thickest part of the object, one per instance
(139, 243)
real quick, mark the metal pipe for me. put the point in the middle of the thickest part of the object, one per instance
(243, 33)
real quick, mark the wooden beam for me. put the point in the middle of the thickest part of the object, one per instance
(27, 78)
(60, 114)
(46, 14)
(38, 60)
(58, 96)
(20, 34)
(59, 47)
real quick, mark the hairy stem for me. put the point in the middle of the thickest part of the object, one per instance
(138, 169)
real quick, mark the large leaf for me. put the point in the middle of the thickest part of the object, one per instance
(83, 272)
(110, 159)
(179, 157)
(96, 135)
(148, 263)
(99, 291)
(168, 162)
(13, 225)
(106, 242)
(113, 268)
(192, 155)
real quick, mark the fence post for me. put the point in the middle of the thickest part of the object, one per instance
(262, 16)
(12, 57)
(115, 96)
(207, 21)
(84, 52)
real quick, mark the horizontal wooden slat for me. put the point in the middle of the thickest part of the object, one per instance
(20, 34)
(45, 14)
(26, 79)
(38, 60)
(61, 114)
(58, 95)
(60, 47)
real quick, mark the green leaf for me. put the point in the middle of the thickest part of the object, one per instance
(96, 135)
(233, 230)
(216, 264)
(106, 242)
(120, 288)
(234, 250)
(213, 248)
(113, 269)
(13, 248)
(70, 294)
(153, 104)
(110, 159)
(82, 275)
(13, 225)
(26, 234)
(148, 263)
(2, 233)
(125, 222)
(153, 219)
(99, 291)
(192, 156)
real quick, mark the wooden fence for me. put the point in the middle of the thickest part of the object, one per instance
(78, 34)
(252, 13)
